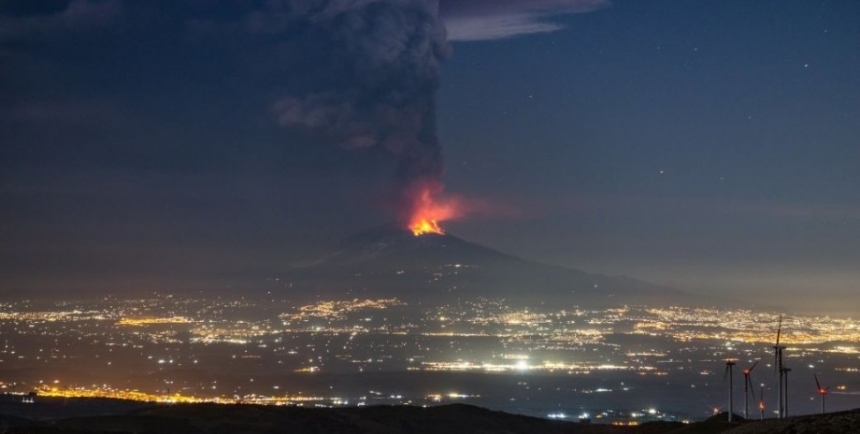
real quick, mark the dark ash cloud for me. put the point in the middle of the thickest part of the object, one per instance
(347, 74)
(374, 89)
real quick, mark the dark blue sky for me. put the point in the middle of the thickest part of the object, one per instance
(157, 145)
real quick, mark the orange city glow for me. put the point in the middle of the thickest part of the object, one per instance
(428, 211)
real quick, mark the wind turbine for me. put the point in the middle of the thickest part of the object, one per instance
(823, 391)
(761, 404)
(777, 363)
(730, 365)
(748, 388)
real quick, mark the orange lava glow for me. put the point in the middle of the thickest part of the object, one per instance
(428, 211)
(424, 226)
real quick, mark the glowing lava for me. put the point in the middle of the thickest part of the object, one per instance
(428, 211)
(424, 226)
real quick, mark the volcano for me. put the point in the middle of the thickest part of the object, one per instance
(389, 261)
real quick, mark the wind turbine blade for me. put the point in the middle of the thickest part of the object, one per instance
(817, 384)
(778, 330)
(753, 366)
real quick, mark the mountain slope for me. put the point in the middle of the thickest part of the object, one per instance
(388, 261)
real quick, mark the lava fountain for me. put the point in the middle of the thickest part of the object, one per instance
(429, 209)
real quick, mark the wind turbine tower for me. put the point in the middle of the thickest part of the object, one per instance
(823, 391)
(748, 388)
(730, 365)
(785, 391)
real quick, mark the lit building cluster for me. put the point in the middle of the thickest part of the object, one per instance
(337, 310)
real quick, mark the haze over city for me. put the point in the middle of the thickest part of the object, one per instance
(357, 202)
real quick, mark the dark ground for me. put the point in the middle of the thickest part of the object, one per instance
(448, 419)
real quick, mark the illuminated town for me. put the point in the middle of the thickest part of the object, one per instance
(562, 362)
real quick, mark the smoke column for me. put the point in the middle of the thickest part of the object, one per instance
(375, 86)
(356, 74)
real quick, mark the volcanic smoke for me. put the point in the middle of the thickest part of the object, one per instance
(376, 92)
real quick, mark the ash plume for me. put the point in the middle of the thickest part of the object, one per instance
(355, 74)
(388, 54)
(382, 98)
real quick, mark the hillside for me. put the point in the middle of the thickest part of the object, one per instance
(448, 419)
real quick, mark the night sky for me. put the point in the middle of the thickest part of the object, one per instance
(161, 145)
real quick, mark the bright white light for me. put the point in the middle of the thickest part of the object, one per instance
(522, 365)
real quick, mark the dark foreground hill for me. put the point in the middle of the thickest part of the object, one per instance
(449, 419)
(232, 419)
(843, 422)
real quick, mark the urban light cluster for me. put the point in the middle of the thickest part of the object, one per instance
(337, 310)
(175, 349)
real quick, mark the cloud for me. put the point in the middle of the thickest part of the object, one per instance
(465, 20)
(496, 27)
(479, 20)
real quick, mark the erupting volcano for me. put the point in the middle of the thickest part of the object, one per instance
(428, 209)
